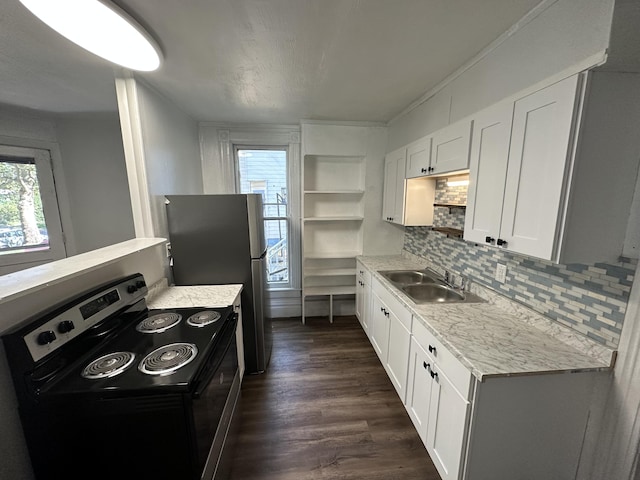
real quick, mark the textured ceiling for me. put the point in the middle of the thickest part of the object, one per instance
(275, 61)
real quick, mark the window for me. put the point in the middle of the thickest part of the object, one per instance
(264, 171)
(30, 228)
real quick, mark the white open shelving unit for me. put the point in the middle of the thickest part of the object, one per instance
(332, 233)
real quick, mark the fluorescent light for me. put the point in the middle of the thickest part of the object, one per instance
(457, 183)
(102, 28)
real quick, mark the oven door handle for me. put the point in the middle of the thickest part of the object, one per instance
(228, 333)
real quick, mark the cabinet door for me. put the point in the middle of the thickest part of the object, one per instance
(487, 173)
(379, 326)
(393, 197)
(450, 148)
(418, 158)
(419, 385)
(447, 426)
(366, 303)
(363, 297)
(359, 297)
(398, 354)
(398, 213)
(538, 156)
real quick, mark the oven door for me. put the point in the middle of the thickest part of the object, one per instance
(214, 401)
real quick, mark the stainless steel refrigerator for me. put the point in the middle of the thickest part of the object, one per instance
(219, 239)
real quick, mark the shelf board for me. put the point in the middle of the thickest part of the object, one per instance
(329, 272)
(334, 192)
(334, 219)
(451, 206)
(329, 290)
(351, 254)
(449, 232)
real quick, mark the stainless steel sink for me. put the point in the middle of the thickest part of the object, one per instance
(425, 286)
(405, 277)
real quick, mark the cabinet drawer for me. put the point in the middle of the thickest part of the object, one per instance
(457, 373)
(392, 303)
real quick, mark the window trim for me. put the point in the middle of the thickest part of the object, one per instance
(44, 155)
(290, 219)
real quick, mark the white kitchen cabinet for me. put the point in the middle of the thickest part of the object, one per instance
(394, 185)
(447, 425)
(494, 428)
(488, 172)
(438, 405)
(540, 148)
(538, 182)
(406, 202)
(518, 160)
(419, 386)
(379, 327)
(397, 362)
(450, 148)
(418, 158)
(363, 296)
(391, 335)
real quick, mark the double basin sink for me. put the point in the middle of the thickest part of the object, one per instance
(425, 286)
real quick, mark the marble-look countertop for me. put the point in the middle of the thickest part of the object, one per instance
(209, 296)
(492, 341)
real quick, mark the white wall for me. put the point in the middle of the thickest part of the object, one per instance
(171, 152)
(565, 34)
(94, 167)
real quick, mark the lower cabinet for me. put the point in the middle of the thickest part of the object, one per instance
(379, 327)
(398, 352)
(363, 296)
(503, 427)
(438, 411)
(390, 329)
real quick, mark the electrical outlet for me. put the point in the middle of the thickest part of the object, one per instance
(168, 249)
(501, 273)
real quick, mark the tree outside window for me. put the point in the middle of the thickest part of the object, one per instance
(22, 224)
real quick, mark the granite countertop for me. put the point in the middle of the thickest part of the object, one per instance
(209, 296)
(497, 339)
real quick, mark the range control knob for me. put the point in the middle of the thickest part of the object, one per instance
(140, 284)
(45, 338)
(132, 289)
(66, 326)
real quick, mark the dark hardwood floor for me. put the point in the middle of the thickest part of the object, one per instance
(325, 409)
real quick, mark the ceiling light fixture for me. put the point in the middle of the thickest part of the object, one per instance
(102, 28)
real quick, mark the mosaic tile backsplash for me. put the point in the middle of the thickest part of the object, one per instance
(590, 299)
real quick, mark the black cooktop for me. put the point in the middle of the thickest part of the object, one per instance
(192, 340)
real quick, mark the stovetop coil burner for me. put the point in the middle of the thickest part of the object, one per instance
(203, 318)
(108, 365)
(159, 323)
(168, 359)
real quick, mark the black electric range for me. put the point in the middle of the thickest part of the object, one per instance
(101, 380)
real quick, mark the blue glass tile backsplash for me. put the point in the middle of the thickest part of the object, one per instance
(591, 299)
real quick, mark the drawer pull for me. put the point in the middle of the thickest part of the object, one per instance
(434, 374)
(432, 349)
(426, 365)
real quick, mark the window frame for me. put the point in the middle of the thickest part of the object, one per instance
(44, 161)
(289, 207)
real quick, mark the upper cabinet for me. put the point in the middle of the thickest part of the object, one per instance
(409, 201)
(518, 158)
(538, 181)
(450, 148)
(418, 158)
(444, 151)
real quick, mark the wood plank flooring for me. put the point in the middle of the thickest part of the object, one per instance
(325, 409)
